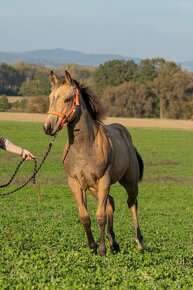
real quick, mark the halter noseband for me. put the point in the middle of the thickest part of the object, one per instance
(63, 115)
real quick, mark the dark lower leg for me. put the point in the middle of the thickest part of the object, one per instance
(138, 235)
(101, 220)
(110, 232)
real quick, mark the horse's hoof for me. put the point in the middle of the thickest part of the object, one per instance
(94, 251)
(102, 252)
(141, 245)
(93, 248)
(115, 248)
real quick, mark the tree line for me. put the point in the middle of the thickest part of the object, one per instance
(153, 88)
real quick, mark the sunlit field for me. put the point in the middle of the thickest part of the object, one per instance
(43, 245)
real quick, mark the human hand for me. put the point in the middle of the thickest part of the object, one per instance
(27, 155)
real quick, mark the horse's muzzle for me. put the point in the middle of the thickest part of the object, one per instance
(48, 128)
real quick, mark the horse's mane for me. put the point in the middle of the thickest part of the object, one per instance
(91, 100)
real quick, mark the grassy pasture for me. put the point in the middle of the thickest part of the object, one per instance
(43, 246)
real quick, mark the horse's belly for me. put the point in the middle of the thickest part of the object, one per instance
(123, 151)
(121, 160)
(118, 169)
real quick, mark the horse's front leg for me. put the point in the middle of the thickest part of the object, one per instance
(103, 190)
(84, 217)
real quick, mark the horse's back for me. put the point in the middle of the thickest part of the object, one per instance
(124, 153)
(119, 136)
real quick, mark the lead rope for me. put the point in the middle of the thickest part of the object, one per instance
(33, 177)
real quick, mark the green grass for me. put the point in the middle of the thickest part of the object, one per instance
(43, 245)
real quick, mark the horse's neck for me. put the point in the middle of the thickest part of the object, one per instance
(83, 132)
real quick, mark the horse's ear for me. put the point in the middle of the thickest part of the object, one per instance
(68, 78)
(53, 78)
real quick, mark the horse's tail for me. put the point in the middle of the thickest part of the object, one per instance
(141, 165)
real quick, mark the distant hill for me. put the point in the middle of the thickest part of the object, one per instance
(58, 57)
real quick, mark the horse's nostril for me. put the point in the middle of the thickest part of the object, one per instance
(47, 128)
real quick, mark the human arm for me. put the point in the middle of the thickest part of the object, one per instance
(15, 149)
(12, 148)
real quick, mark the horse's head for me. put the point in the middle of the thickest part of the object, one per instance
(64, 101)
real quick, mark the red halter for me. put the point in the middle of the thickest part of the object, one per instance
(63, 115)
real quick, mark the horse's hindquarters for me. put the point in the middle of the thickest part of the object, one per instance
(124, 156)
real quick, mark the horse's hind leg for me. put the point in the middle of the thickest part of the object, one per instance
(84, 217)
(110, 232)
(132, 191)
(138, 235)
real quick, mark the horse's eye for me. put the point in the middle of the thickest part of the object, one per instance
(66, 101)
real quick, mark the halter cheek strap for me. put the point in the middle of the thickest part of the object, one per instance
(64, 116)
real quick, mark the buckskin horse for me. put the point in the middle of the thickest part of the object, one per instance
(95, 157)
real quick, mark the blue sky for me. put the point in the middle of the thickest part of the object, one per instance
(136, 28)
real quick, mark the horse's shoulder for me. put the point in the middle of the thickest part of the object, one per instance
(104, 135)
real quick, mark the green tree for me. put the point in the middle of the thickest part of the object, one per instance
(113, 73)
(9, 79)
(162, 66)
(145, 71)
(39, 86)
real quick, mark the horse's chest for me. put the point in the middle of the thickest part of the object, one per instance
(87, 171)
